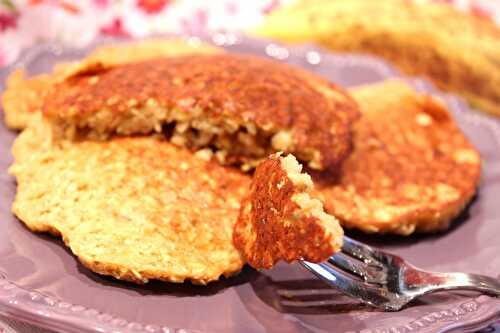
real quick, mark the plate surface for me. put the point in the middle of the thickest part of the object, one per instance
(41, 282)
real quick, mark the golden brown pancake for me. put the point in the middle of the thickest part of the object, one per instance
(458, 51)
(132, 208)
(23, 96)
(411, 169)
(240, 106)
(279, 220)
(130, 52)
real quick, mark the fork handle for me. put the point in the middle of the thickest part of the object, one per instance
(459, 281)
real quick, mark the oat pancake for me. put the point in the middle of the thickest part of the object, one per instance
(411, 168)
(133, 208)
(279, 220)
(240, 106)
(426, 38)
(23, 96)
(118, 54)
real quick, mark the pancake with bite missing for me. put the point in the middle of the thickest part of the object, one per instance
(23, 97)
(240, 107)
(411, 169)
(133, 208)
(279, 220)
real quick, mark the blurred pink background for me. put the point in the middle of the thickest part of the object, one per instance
(27, 22)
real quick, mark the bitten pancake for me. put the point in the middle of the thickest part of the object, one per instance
(280, 221)
(426, 38)
(411, 169)
(240, 106)
(23, 96)
(133, 208)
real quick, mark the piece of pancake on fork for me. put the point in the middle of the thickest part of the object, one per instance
(280, 220)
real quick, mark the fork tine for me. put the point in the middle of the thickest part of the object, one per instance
(361, 251)
(354, 288)
(353, 266)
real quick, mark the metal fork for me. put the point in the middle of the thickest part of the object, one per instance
(387, 281)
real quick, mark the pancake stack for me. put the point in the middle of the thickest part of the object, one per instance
(137, 165)
(145, 165)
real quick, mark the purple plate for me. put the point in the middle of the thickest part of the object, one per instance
(41, 282)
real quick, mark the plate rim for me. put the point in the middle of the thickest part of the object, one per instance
(49, 312)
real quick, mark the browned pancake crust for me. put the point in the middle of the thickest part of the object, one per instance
(23, 97)
(411, 169)
(273, 225)
(238, 88)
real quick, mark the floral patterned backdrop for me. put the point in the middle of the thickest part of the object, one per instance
(27, 22)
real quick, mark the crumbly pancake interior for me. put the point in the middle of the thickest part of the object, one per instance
(309, 205)
(304, 186)
(229, 142)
